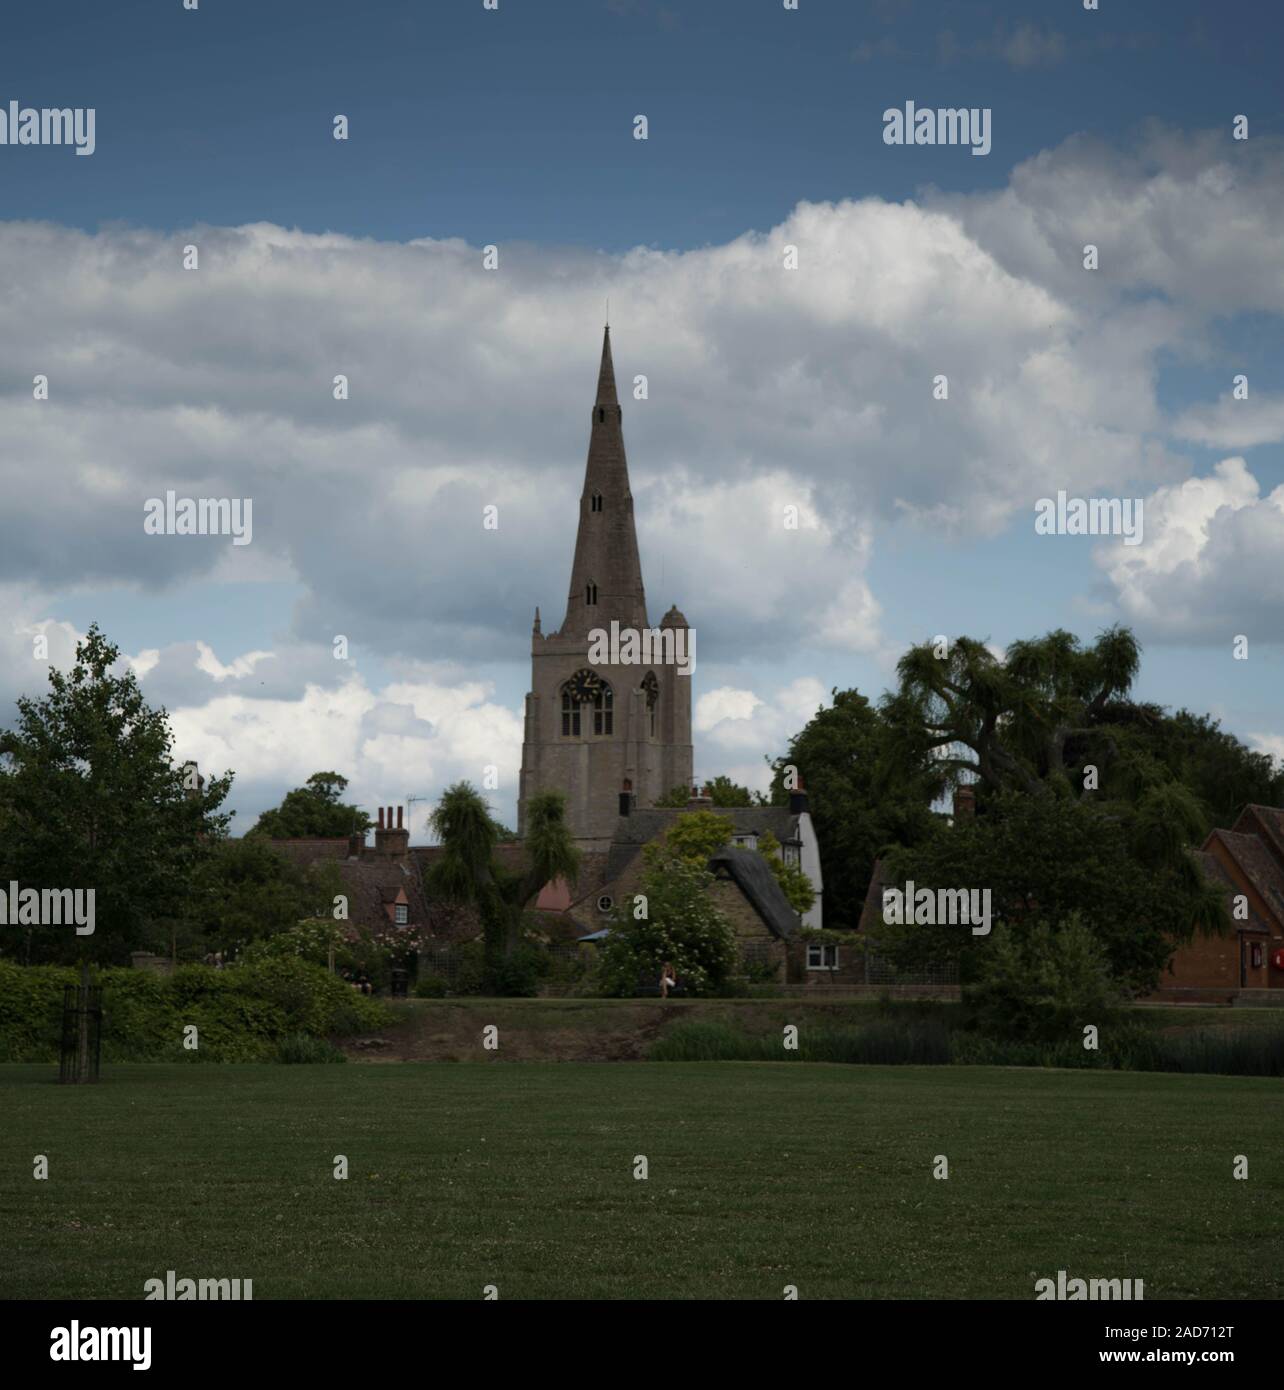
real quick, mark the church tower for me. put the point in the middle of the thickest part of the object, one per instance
(597, 731)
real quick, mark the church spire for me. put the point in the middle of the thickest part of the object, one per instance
(606, 374)
(606, 576)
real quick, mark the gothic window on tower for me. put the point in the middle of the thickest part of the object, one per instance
(583, 688)
(570, 714)
(590, 594)
(604, 710)
(595, 502)
(651, 689)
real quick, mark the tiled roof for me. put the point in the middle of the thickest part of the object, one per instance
(1266, 821)
(1258, 865)
(1216, 871)
(307, 851)
(370, 883)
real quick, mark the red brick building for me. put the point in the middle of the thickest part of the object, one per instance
(1248, 860)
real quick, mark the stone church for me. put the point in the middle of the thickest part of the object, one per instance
(601, 732)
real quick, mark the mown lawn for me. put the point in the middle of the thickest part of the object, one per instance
(521, 1176)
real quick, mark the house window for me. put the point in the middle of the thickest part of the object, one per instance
(570, 714)
(822, 957)
(792, 855)
(605, 903)
(604, 710)
(595, 502)
(745, 841)
(590, 594)
(402, 914)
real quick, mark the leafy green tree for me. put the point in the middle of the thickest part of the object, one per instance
(1222, 773)
(694, 837)
(90, 798)
(314, 810)
(677, 923)
(1132, 884)
(469, 873)
(246, 891)
(698, 835)
(1036, 982)
(721, 790)
(1008, 720)
(796, 885)
(861, 797)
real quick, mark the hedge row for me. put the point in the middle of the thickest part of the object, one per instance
(241, 1014)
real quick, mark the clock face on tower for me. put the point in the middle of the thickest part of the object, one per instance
(585, 685)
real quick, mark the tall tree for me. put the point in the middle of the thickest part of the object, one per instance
(1006, 720)
(246, 891)
(314, 810)
(468, 872)
(91, 799)
(860, 799)
(1130, 882)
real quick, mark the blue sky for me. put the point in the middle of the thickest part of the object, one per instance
(514, 128)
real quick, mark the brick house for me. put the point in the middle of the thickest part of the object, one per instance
(382, 883)
(1248, 862)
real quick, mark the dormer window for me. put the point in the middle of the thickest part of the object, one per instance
(595, 502)
(590, 594)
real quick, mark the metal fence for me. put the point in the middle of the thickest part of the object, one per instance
(879, 971)
(82, 1034)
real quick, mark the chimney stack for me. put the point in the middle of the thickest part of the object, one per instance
(700, 799)
(798, 798)
(391, 842)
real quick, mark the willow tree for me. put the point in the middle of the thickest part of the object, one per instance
(1024, 720)
(469, 873)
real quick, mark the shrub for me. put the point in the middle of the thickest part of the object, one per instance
(31, 1010)
(518, 975)
(469, 975)
(302, 1048)
(431, 987)
(311, 940)
(1037, 982)
(240, 1014)
(914, 1043)
(682, 926)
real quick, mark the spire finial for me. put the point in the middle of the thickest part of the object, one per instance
(606, 374)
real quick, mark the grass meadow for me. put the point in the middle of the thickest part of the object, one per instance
(521, 1175)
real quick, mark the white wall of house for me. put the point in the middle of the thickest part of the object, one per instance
(810, 865)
